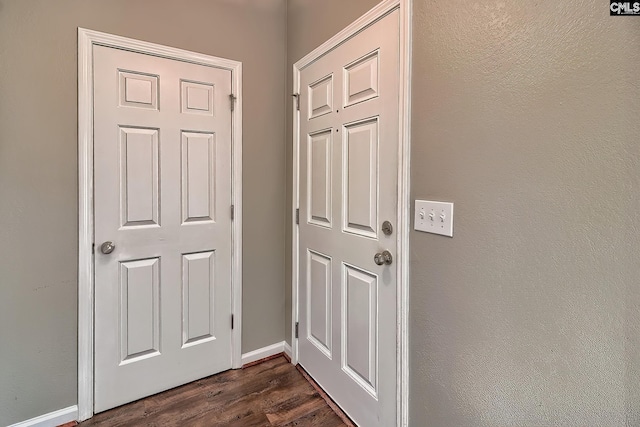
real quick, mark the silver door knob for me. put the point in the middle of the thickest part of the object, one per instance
(107, 247)
(383, 258)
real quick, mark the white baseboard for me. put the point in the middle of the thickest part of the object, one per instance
(287, 349)
(52, 419)
(263, 352)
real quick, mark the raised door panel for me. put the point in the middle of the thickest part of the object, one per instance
(319, 321)
(198, 297)
(197, 98)
(198, 177)
(321, 97)
(360, 175)
(361, 79)
(138, 90)
(140, 309)
(139, 177)
(360, 327)
(319, 171)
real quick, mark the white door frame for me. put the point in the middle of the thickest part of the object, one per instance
(86, 40)
(402, 345)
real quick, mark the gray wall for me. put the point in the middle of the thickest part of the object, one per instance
(526, 115)
(38, 173)
(309, 24)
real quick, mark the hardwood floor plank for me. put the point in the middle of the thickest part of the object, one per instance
(272, 393)
(321, 417)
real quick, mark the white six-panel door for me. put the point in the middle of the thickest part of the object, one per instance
(349, 122)
(162, 159)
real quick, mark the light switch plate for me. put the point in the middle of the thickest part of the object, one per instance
(434, 217)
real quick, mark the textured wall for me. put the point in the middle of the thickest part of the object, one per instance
(526, 114)
(309, 24)
(38, 173)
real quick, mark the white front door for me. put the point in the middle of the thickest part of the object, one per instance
(162, 156)
(349, 122)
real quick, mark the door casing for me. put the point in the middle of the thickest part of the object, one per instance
(404, 202)
(86, 40)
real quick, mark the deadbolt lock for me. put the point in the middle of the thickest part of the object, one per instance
(387, 228)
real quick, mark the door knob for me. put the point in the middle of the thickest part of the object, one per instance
(382, 258)
(107, 247)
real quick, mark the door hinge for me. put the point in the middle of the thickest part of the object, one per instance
(297, 97)
(298, 216)
(297, 329)
(232, 99)
(93, 249)
(232, 321)
(233, 214)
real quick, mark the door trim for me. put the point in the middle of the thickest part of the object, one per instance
(404, 205)
(86, 40)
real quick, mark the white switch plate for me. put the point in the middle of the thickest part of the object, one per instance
(434, 217)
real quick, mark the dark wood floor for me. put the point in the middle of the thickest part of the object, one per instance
(272, 393)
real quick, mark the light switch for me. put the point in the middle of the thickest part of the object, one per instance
(434, 217)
